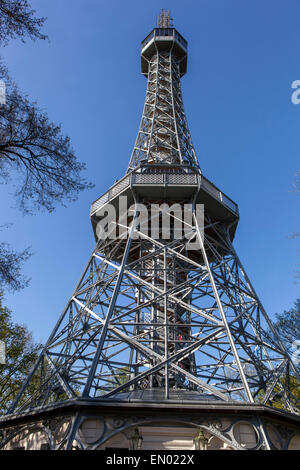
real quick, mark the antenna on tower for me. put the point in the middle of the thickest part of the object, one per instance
(164, 19)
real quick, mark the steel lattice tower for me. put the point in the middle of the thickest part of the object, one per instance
(151, 317)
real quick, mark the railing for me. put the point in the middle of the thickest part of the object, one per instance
(217, 194)
(112, 192)
(158, 32)
(164, 177)
(147, 39)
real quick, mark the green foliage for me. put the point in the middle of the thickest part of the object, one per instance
(291, 385)
(121, 377)
(21, 354)
(287, 326)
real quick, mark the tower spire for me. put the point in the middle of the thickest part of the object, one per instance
(164, 19)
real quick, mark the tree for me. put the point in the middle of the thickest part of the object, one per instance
(119, 377)
(11, 263)
(17, 20)
(287, 325)
(290, 383)
(41, 163)
(21, 354)
(34, 154)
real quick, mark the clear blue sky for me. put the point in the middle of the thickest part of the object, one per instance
(243, 57)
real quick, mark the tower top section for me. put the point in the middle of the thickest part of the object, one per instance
(163, 137)
(164, 38)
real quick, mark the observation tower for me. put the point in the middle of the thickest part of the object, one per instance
(164, 343)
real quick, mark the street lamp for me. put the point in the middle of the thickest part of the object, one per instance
(200, 441)
(136, 440)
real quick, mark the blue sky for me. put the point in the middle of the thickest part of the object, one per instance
(243, 58)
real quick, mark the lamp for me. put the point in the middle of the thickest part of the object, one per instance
(200, 441)
(135, 440)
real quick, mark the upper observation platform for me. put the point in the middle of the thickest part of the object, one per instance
(164, 40)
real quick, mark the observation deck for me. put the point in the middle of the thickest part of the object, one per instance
(180, 184)
(164, 39)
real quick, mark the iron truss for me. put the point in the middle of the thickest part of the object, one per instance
(163, 136)
(148, 313)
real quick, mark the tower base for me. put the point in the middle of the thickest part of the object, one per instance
(163, 425)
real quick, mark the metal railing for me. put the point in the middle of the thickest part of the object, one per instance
(217, 194)
(164, 177)
(158, 32)
(116, 189)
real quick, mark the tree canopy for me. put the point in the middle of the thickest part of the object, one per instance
(287, 325)
(21, 354)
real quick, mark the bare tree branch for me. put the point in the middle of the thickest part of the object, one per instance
(36, 155)
(17, 20)
(11, 263)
